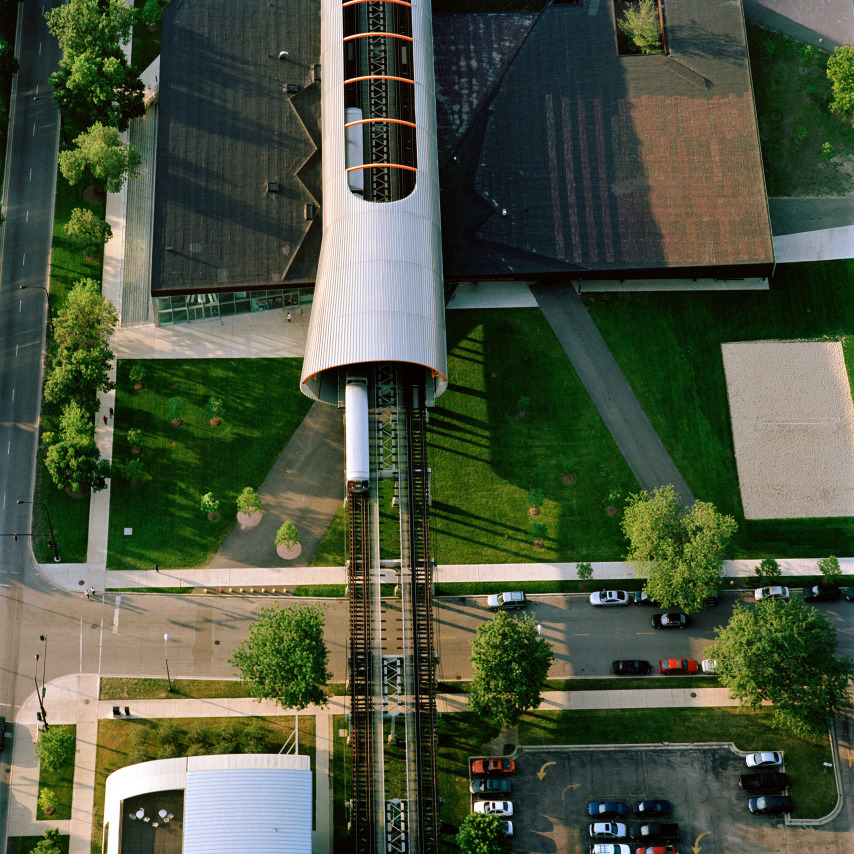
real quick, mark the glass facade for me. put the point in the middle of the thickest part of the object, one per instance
(185, 309)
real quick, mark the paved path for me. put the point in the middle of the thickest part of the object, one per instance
(305, 486)
(608, 389)
(820, 22)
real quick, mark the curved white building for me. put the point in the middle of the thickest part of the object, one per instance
(379, 292)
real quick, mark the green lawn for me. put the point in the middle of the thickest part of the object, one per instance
(126, 742)
(25, 844)
(813, 792)
(669, 347)
(263, 407)
(60, 782)
(792, 91)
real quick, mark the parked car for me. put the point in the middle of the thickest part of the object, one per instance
(654, 830)
(763, 781)
(490, 786)
(766, 759)
(630, 667)
(641, 598)
(610, 848)
(676, 620)
(507, 601)
(849, 594)
(508, 827)
(604, 598)
(493, 765)
(608, 830)
(499, 808)
(777, 592)
(657, 849)
(822, 593)
(709, 665)
(672, 666)
(607, 809)
(650, 809)
(770, 804)
(711, 601)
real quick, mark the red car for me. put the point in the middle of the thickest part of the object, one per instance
(493, 766)
(670, 666)
(657, 849)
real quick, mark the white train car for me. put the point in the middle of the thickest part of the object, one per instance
(356, 442)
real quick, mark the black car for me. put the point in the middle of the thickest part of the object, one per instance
(849, 594)
(763, 781)
(650, 809)
(630, 667)
(770, 804)
(822, 593)
(641, 598)
(675, 620)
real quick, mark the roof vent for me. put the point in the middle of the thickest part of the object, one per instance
(272, 186)
(292, 88)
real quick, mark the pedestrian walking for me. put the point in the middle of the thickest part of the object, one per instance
(156, 568)
(91, 591)
(539, 629)
(111, 412)
(86, 594)
(105, 418)
(289, 317)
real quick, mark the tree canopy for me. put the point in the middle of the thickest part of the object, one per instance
(681, 551)
(100, 152)
(285, 657)
(86, 230)
(56, 747)
(72, 457)
(641, 24)
(840, 70)
(785, 653)
(51, 843)
(511, 663)
(483, 834)
(81, 361)
(81, 25)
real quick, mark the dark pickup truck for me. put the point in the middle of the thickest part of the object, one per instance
(654, 830)
(763, 781)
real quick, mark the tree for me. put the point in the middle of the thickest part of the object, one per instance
(511, 662)
(87, 230)
(768, 571)
(249, 502)
(51, 844)
(151, 13)
(483, 834)
(285, 657)
(785, 653)
(133, 471)
(584, 571)
(209, 503)
(680, 550)
(287, 535)
(840, 70)
(8, 61)
(135, 439)
(100, 151)
(73, 458)
(81, 363)
(177, 409)
(82, 25)
(56, 747)
(641, 24)
(137, 376)
(830, 569)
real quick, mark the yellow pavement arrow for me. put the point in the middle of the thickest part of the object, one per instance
(570, 786)
(696, 847)
(542, 772)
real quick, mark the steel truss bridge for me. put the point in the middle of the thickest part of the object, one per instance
(391, 655)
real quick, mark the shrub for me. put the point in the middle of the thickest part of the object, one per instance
(287, 535)
(801, 132)
(48, 801)
(135, 436)
(255, 737)
(177, 408)
(209, 503)
(827, 151)
(539, 530)
(840, 71)
(227, 738)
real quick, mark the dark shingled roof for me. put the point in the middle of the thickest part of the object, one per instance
(226, 128)
(607, 164)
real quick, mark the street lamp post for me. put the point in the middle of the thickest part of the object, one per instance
(53, 544)
(43, 639)
(39, 694)
(47, 295)
(166, 648)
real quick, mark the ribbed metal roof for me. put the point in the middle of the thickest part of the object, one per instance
(379, 292)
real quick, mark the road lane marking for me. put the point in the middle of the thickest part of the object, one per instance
(24, 263)
(646, 633)
(696, 847)
(116, 614)
(34, 128)
(13, 394)
(542, 772)
(28, 216)
(570, 786)
(31, 173)
(582, 634)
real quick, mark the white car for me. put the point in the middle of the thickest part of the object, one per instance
(608, 830)
(771, 593)
(507, 601)
(601, 598)
(508, 827)
(767, 759)
(710, 665)
(610, 848)
(499, 808)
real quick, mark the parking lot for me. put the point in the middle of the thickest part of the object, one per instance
(551, 788)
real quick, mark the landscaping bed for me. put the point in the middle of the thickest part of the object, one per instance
(60, 782)
(262, 407)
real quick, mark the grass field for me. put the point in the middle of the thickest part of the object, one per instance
(814, 793)
(792, 93)
(113, 688)
(669, 347)
(263, 407)
(61, 783)
(125, 742)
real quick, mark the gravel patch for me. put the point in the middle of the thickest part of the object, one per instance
(793, 428)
